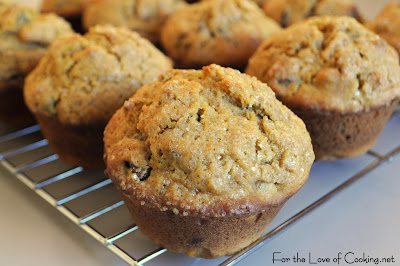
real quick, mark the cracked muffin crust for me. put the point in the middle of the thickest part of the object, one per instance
(143, 16)
(387, 24)
(221, 32)
(206, 154)
(288, 12)
(331, 65)
(83, 80)
(25, 35)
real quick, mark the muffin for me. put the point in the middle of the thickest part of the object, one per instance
(82, 81)
(205, 159)
(144, 16)
(222, 32)
(25, 36)
(339, 77)
(288, 12)
(69, 9)
(387, 24)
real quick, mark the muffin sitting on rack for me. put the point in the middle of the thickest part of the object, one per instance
(205, 159)
(82, 81)
(339, 77)
(25, 35)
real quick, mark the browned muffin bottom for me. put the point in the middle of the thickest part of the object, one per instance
(72, 143)
(201, 236)
(25, 35)
(338, 72)
(288, 12)
(222, 32)
(345, 135)
(13, 110)
(143, 16)
(82, 81)
(204, 159)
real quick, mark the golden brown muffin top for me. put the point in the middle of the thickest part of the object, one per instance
(85, 79)
(218, 31)
(144, 16)
(25, 35)
(288, 12)
(207, 142)
(387, 24)
(65, 8)
(329, 63)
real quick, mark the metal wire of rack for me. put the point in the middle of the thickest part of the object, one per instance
(90, 200)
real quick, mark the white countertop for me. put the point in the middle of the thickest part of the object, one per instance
(362, 219)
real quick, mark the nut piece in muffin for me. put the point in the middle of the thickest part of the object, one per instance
(339, 77)
(25, 35)
(222, 32)
(144, 16)
(82, 81)
(205, 159)
(387, 24)
(288, 12)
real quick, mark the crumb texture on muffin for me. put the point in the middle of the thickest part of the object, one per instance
(221, 32)
(288, 12)
(84, 79)
(329, 63)
(144, 16)
(207, 142)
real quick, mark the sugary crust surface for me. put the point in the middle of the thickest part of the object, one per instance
(65, 8)
(288, 12)
(144, 16)
(221, 32)
(209, 142)
(25, 34)
(85, 79)
(329, 63)
(387, 24)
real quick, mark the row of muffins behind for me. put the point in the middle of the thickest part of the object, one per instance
(147, 17)
(203, 33)
(342, 87)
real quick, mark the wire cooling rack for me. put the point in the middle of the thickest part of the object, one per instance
(90, 200)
